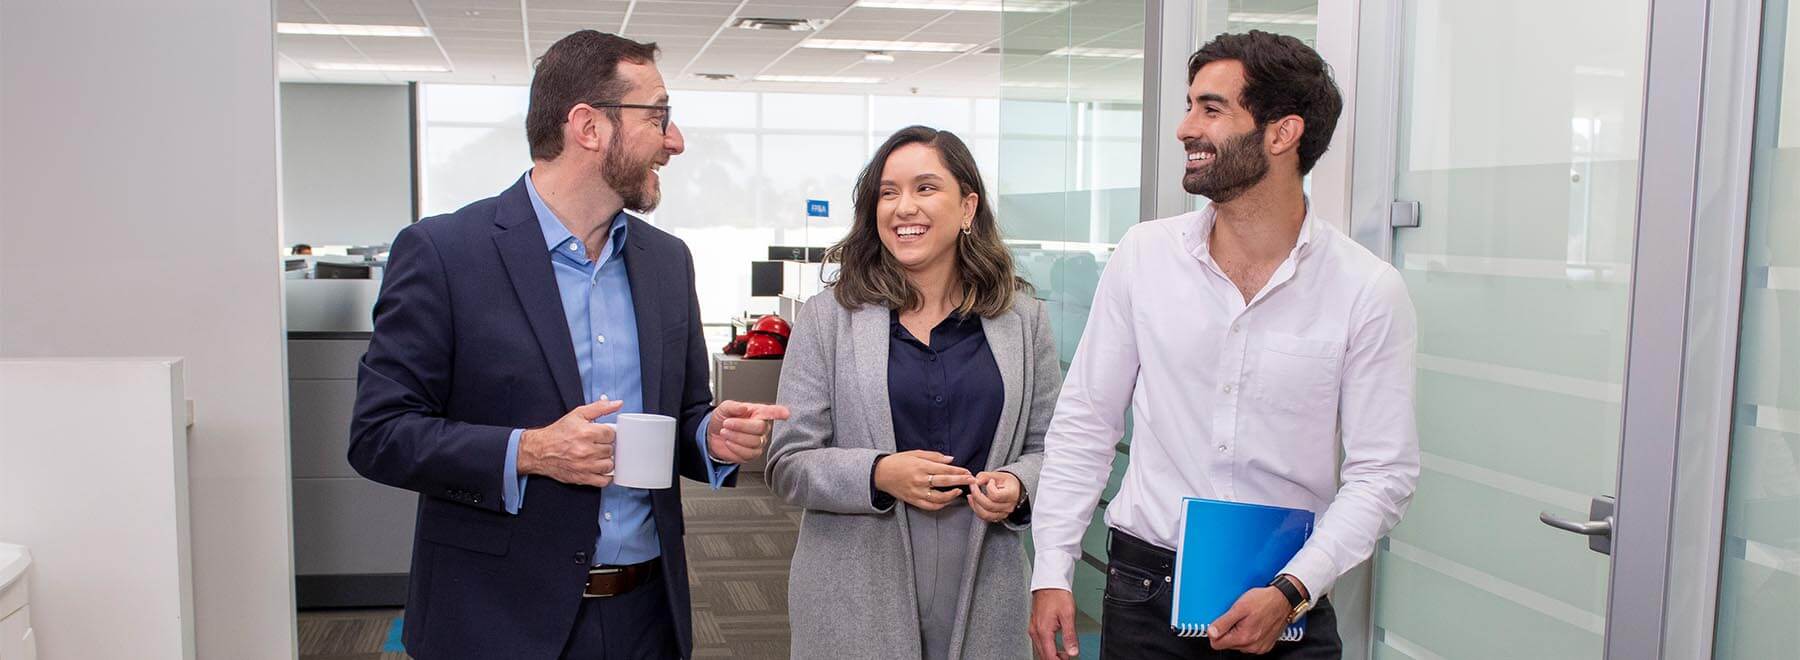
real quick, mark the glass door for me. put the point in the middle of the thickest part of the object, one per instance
(1759, 571)
(1518, 137)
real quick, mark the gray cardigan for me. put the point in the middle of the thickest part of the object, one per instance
(850, 590)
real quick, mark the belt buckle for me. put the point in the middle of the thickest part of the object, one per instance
(600, 570)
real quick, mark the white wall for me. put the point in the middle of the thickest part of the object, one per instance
(138, 175)
(120, 491)
(346, 163)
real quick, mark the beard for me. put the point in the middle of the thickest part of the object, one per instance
(630, 178)
(1235, 167)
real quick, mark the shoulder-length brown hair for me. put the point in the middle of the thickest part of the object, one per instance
(869, 274)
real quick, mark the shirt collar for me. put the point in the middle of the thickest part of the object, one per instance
(1198, 236)
(558, 238)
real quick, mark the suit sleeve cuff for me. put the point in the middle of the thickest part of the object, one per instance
(1314, 570)
(1053, 570)
(512, 484)
(882, 501)
(716, 471)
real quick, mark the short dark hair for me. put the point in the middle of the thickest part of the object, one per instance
(1282, 76)
(580, 68)
(869, 274)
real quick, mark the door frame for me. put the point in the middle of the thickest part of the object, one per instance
(1685, 295)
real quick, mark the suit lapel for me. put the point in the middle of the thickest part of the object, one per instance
(527, 262)
(1006, 339)
(645, 271)
(869, 332)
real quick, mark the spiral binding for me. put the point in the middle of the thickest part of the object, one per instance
(1293, 633)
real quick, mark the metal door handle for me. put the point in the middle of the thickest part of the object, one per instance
(1598, 527)
(1590, 528)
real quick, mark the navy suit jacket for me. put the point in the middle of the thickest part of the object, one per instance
(470, 343)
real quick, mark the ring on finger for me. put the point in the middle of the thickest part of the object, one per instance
(929, 481)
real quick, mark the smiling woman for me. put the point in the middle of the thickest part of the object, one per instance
(923, 220)
(955, 364)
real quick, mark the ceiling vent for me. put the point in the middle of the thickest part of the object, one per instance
(780, 24)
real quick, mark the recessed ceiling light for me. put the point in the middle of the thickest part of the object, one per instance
(1021, 6)
(878, 57)
(845, 80)
(334, 30)
(1271, 18)
(385, 68)
(715, 76)
(780, 24)
(1108, 53)
(902, 46)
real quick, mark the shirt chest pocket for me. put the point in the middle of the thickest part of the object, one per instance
(1297, 375)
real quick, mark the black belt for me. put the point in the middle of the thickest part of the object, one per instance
(1140, 553)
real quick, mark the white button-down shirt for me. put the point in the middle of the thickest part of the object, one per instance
(1235, 401)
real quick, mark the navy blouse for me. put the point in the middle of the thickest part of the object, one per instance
(946, 397)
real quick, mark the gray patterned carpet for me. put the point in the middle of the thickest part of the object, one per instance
(739, 542)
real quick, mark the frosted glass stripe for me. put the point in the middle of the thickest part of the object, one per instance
(1551, 495)
(1544, 269)
(1777, 419)
(1537, 380)
(1772, 557)
(1784, 278)
(1538, 602)
(1410, 648)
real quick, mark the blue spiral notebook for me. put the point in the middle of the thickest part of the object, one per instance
(1228, 548)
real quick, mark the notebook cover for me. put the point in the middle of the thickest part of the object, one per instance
(1226, 549)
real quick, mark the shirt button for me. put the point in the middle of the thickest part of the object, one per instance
(581, 558)
(608, 516)
(1228, 388)
(600, 338)
(1221, 449)
(1234, 327)
(937, 399)
(574, 247)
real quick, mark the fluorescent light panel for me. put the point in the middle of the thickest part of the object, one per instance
(844, 80)
(1020, 6)
(384, 68)
(1032, 84)
(331, 30)
(1271, 18)
(1106, 53)
(902, 46)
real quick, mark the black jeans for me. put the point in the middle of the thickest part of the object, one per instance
(1134, 625)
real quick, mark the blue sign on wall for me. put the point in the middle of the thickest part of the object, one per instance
(818, 208)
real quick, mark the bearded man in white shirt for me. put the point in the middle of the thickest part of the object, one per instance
(1254, 343)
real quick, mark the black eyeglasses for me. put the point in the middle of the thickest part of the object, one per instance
(664, 118)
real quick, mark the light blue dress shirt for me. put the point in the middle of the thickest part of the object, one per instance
(596, 300)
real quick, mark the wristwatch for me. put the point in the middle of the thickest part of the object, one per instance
(1301, 604)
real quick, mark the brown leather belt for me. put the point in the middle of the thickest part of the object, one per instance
(609, 581)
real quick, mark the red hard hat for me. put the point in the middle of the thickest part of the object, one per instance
(772, 324)
(764, 345)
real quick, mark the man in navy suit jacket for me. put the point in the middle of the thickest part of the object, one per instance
(503, 333)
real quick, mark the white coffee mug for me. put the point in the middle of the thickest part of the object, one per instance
(644, 451)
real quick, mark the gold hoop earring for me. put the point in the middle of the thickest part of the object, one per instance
(968, 229)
